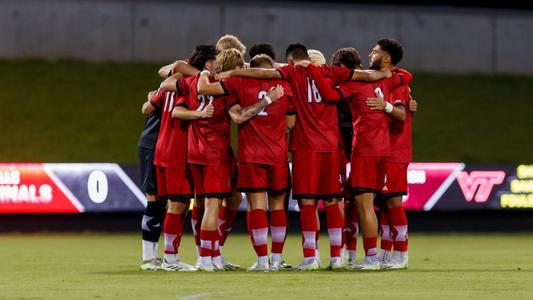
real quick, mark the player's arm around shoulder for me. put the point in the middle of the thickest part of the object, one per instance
(169, 84)
(205, 87)
(370, 75)
(258, 73)
(240, 115)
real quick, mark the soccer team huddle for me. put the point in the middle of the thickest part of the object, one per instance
(348, 130)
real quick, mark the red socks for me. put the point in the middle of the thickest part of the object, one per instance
(259, 229)
(278, 230)
(226, 218)
(352, 227)
(334, 225)
(309, 227)
(386, 236)
(196, 222)
(208, 238)
(399, 228)
(172, 230)
(370, 245)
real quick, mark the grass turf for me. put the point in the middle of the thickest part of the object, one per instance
(104, 266)
(73, 111)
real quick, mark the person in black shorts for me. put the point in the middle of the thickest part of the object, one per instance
(152, 220)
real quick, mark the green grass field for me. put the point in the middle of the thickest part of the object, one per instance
(104, 266)
(73, 111)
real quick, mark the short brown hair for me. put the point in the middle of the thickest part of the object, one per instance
(261, 60)
(346, 56)
(229, 41)
(229, 59)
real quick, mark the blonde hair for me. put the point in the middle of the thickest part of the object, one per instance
(261, 60)
(229, 59)
(229, 41)
(316, 57)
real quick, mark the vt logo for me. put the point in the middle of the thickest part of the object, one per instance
(479, 184)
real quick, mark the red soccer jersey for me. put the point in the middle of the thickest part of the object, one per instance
(335, 74)
(317, 127)
(171, 147)
(371, 132)
(209, 139)
(262, 139)
(400, 132)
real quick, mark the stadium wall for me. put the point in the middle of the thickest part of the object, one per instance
(438, 39)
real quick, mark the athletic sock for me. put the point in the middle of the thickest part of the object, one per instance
(196, 222)
(386, 235)
(369, 243)
(334, 224)
(151, 224)
(207, 237)
(259, 225)
(309, 228)
(172, 233)
(278, 230)
(249, 226)
(352, 228)
(399, 228)
(226, 218)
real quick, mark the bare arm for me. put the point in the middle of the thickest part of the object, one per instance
(169, 84)
(398, 111)
(147, 107)
(182, 113)
(209, 88)
(240, 115)
(258, 73)
(413, 105)
(371, 75)
(184, 68)
(165, 71)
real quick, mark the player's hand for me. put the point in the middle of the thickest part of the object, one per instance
(223, 75)
(413, 105)
(208, 111)
(376, 103)
(303, 63)
(387, 72)
(274, 93)
(151, 95)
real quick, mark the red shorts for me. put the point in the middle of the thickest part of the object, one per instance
(394, 179)
(365, 174)
(316, 175)
(259, 178)
(174, 184)
(211, 181)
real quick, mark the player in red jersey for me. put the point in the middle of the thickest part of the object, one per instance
(348, 58)
(314, 143)
(371, 146)
(173, 177)
(387, 54)
(262, 155)
(208, 154)
(230, 205)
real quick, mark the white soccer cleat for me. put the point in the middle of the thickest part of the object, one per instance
(256, 267)
(177, 266)
(351, 264)
(370, 263)
(399, 261)
(310, 265)
(384, 257)
(335, 264)
(229, 266)
(151, 265)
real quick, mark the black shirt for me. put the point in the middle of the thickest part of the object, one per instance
(150, 131)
